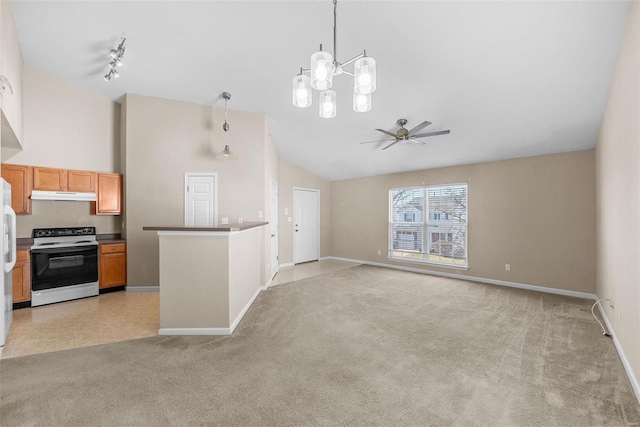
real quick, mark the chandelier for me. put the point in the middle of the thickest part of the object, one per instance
(323, 68)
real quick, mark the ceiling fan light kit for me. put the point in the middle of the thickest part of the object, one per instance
(403, 135)
(323, 68)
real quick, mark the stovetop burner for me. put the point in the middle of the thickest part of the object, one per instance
(63, 237)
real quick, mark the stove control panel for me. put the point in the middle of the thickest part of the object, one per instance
(67, 231)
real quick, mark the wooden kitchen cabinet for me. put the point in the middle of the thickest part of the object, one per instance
(19, 177)
(81, 181)
(49, 179)
(22, 277)
(113, 265)
(109, 195)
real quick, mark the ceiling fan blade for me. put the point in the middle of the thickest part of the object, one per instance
(380, 140)
(416, 141)
(387, 132)
(419, 127)
(438, 132)
(392, 144)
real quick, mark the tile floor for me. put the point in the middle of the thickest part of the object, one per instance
(309, 269)
(117, 316)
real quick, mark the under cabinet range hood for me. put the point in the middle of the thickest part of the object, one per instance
(63, 195)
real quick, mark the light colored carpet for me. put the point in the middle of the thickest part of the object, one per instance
(361, 346)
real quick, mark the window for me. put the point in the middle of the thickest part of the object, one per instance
(429, 224)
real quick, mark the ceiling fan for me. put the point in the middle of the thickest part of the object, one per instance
(403, 135)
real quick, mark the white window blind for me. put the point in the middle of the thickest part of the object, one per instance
(429, 224)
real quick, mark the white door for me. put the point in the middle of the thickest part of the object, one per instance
(274, 228)
(200, 200)
(306, 225)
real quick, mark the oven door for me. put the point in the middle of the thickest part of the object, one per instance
(58, 267)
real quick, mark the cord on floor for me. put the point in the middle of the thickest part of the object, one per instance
(604, 331)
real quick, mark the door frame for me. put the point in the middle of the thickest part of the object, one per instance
(187, 175)
(275, 268)
(315, 190)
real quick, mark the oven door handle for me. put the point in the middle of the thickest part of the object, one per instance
(11, 238)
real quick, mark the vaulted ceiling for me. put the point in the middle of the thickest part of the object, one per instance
(510, 79)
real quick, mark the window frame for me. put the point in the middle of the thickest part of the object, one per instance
(425, 224)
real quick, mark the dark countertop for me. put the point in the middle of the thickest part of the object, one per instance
(226, 227)
(25, 243)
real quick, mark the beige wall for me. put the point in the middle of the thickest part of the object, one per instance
(11, 67)
(536, 213)
(68, 127)
(71, 128)
(47, 213)
(244, 269)
(618, 196)
(165, 139)
(195, 281)
(293, 176)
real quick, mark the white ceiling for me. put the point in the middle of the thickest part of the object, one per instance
(510, 79)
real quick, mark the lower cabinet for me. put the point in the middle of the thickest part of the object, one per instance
(22, 277)
(113, 265)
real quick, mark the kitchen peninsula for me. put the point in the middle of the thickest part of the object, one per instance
(209, 276)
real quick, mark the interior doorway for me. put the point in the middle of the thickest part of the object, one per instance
(306, 225)
(200, 199)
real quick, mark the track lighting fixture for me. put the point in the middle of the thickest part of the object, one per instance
(116, 61)
(324, 67)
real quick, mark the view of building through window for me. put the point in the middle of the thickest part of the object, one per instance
(429, 224)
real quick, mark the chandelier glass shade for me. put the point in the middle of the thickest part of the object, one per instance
(321, 70)
(319, 76)
(361, 102)
(327, 104)
(364, 76)
(302, 93)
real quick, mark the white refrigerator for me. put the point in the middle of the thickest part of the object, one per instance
(8, 246)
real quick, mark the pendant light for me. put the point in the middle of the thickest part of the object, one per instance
(324, 66)
(226, 153)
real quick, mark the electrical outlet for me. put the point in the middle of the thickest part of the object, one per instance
(289, 219)
(224, 220)
(379, 252)
(611, 303)
(507, 267)
(239, 220)
(260, 214)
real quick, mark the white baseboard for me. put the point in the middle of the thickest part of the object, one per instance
(244, 311)
(625, 362)
(194, 331)
(211, 331)
(266, 285)
(557, 291)
(142, 288)
(324, 258)
(286, 264)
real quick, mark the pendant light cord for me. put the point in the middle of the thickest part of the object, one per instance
(335, 31)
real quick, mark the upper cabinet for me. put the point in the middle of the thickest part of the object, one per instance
(24, 179)
(109, 195)
(20, 179)
(81, 181)
(11, 69)
(48, 179)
